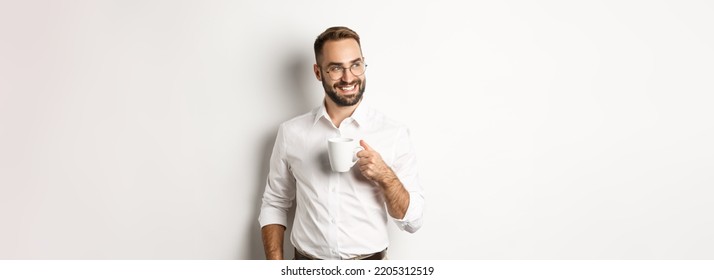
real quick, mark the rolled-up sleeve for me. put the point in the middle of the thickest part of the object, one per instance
(405, 166)
(280, 186)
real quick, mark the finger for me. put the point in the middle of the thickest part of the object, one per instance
(363, 166)
(363, 154)
(365, 146)
(369, 167)
(367, 160)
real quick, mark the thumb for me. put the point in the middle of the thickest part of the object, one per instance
(364, 145)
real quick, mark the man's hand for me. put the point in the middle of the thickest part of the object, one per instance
(371, 164)
(374, 169)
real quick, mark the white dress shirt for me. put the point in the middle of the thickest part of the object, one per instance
(338, 215)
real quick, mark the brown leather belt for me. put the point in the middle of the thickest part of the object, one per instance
(375, 256)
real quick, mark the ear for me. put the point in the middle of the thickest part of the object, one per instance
(318, 74)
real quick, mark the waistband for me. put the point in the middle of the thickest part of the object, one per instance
(374, 256)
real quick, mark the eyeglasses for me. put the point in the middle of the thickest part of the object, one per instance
(336, 72)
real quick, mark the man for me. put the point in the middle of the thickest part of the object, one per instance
(340, 215)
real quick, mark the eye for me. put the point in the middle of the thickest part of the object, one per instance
(334, 69)
(357, 65)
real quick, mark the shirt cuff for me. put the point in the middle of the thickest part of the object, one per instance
(270, 215)
(412, 220)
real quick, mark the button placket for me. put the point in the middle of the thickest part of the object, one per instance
(333, 205)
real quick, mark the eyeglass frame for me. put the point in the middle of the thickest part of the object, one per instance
(342, 69)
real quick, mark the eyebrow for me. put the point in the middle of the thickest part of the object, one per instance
(340, 64)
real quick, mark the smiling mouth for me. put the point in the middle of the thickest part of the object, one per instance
(348, 88)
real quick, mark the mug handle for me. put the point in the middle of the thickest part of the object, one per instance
(354, 152)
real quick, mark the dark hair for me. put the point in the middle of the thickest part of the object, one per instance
(334, 33)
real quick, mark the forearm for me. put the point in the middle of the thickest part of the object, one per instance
(273, 241)
(395, 195)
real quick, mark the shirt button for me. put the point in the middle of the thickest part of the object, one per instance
(333, 220)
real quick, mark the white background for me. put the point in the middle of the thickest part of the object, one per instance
(544, 129)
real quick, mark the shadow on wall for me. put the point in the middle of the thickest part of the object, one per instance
(299, 99)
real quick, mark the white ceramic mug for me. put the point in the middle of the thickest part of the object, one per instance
(343, 153)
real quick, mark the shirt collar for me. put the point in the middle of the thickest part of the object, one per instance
(359, 115)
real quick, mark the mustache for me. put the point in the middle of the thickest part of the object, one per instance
(343, 84)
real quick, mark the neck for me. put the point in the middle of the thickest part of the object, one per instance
(339, 113)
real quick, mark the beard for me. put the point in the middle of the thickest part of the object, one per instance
(342, 100)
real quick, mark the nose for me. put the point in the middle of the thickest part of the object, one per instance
(347, 76)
